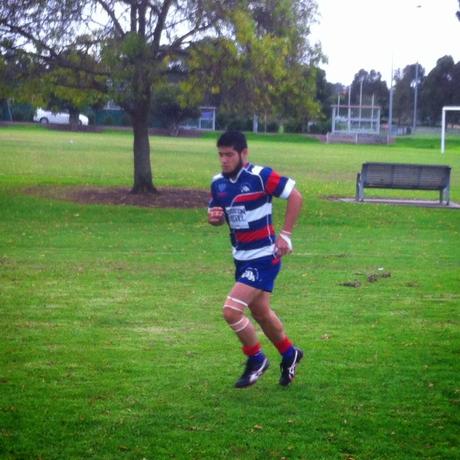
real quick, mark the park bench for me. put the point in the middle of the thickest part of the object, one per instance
(404, 176)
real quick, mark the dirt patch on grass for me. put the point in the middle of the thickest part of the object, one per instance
(165, 198)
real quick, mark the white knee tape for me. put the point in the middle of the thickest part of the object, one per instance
(238, 301)
(238, 308)
(240, 325)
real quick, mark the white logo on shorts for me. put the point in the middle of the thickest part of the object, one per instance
(250, 274)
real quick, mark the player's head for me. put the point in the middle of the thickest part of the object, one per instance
(234, 139)
(233, 152)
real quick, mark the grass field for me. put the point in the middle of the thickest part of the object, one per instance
(113, 343)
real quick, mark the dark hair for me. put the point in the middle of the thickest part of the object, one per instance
(234, 139)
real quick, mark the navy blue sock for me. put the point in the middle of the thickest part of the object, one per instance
(257, 358)
(289, 353)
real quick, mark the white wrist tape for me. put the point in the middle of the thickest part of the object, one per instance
(287, 239)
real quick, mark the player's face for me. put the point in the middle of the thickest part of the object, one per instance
(231, 161)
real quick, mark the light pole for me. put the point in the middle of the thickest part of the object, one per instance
(361, 80)
(390, 108)
(414, 122)
(349, 110)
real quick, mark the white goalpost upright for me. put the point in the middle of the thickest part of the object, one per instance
(443, 129)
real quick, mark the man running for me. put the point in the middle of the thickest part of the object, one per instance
(242, 196)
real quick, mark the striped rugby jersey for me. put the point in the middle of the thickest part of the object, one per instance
(247, 202)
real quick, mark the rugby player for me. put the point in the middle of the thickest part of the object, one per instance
(241, 196)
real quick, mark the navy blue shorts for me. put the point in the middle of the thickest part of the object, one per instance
(258, 273)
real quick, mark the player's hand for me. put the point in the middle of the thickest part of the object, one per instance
(283, 244)
(216, 216)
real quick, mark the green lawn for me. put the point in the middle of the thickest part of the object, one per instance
(112, 340)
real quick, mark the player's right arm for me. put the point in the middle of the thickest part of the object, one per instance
(216, 215)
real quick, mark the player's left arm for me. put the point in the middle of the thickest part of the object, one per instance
(294, 205)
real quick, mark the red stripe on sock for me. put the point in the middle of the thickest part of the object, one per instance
(283, 345)
(251, 350)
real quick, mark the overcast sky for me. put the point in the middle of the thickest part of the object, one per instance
(370, 34)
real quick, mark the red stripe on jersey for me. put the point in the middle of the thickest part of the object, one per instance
(249, 197)
(272, 182)
(254, 235)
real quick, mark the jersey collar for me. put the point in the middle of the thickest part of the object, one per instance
(244, 168)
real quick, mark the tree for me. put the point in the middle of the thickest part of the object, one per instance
(438, 89)
(13, 69)
(61, 89)
(16, 84)
(456, 84)
(403, 100)
(171, 105)
(372, 85)
(268, 69)
(324, 92)
(296, 101)
(132, 49)
(132, 45)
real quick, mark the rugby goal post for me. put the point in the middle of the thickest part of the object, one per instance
(443, 128)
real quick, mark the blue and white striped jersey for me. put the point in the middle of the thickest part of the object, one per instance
(247, 202)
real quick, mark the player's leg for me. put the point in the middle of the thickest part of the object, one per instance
(234, 313)
(267, 318)
(274, 330)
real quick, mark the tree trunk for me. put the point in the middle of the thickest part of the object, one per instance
(143, 182)
(74, 120)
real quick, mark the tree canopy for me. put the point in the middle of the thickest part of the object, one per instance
(404, 91)
(440, 88)
(372, 87)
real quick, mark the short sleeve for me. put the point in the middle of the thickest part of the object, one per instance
(275, 184)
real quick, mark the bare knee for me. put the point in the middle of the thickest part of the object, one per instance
(231, 315)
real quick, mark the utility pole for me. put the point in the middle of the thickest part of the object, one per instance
(414, 123)
(349, 110)
(361, 80)
(390, 108)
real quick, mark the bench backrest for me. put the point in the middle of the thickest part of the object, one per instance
(402, 175)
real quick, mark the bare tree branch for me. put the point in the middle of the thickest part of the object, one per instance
(112, 16)
(142, 13)
(53, 57)
(160, 26)
(29, 36)
(133, 17)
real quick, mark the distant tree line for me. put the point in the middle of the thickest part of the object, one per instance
(440, 87)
